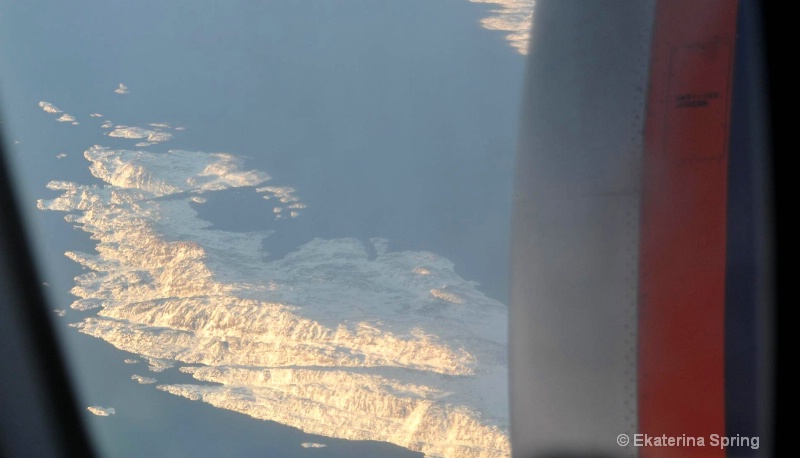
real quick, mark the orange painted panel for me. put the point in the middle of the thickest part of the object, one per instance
(682, 252)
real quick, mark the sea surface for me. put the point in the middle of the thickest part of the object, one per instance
(392, 119)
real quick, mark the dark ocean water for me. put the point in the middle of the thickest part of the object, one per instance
(392, 119)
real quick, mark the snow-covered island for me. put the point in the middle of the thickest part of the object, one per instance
(337, 338)
(312, 445)
(101, 411)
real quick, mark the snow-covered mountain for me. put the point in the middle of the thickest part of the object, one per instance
(336, 338)
(513, 17)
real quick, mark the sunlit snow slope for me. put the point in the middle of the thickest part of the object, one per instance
(513, 17)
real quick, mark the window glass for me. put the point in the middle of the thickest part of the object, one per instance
(269, 227)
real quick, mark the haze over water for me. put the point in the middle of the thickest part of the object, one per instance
(385, 129)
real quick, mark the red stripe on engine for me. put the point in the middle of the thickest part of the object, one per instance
(682, 260)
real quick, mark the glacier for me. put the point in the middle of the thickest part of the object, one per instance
(335, 338)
